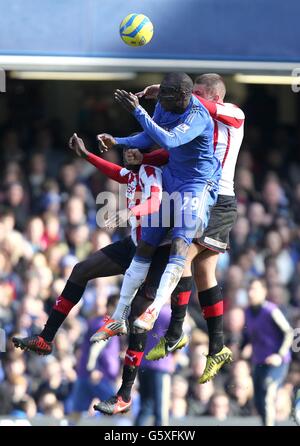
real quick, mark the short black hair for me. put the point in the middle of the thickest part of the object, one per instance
(182, 81)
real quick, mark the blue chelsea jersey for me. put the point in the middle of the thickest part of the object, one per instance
(188, 137)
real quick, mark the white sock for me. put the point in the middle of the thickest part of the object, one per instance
(168, 283)
(133, 279)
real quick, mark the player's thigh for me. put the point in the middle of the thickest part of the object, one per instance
(205, 265)
(206, 261)
(193, 251)
(111, 260)
(96, 265)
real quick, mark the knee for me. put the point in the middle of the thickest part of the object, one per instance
(179, 247)
(79, 272)
(141, 302)
(144, 249)
(201, 270)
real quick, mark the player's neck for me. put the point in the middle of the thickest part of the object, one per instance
(133, 169)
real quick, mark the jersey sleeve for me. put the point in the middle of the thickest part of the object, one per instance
(109, 169)
(158, 157)
(151, 180)
(140, 141)
(228, 114)
(193, 126)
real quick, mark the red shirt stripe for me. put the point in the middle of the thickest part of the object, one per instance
(227, 148)
(216, 134)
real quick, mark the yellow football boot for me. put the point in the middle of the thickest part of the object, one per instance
(214, 363)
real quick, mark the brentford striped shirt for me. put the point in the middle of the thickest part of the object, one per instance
(228, 136)
(142, 187)
(143, 193)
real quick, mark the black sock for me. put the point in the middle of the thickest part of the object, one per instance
(211, 302)
(179, 305)
(70, 296)
(133, 358)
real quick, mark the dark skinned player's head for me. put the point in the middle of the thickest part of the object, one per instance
(175, 92)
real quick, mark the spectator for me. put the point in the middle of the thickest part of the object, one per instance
(271, 337)
(199, 401)
(241, 391)
(179, 396)
(16, 201)
(219, 406)
(234, 322)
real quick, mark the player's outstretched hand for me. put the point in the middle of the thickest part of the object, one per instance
(77, 145)
(105, 142)
(128, 100)
(150, 92)
(118, 219)
(134, 157)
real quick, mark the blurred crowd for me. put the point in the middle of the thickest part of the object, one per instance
(48, 223)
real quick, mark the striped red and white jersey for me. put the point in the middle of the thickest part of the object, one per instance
(140, 187)
(228, 136)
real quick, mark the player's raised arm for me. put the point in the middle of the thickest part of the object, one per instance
(105, 142)
(193, 126)
(150, 92)
(158, 157)
(109, 169)
(140, 141)
(174, 100)
(77, 145)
